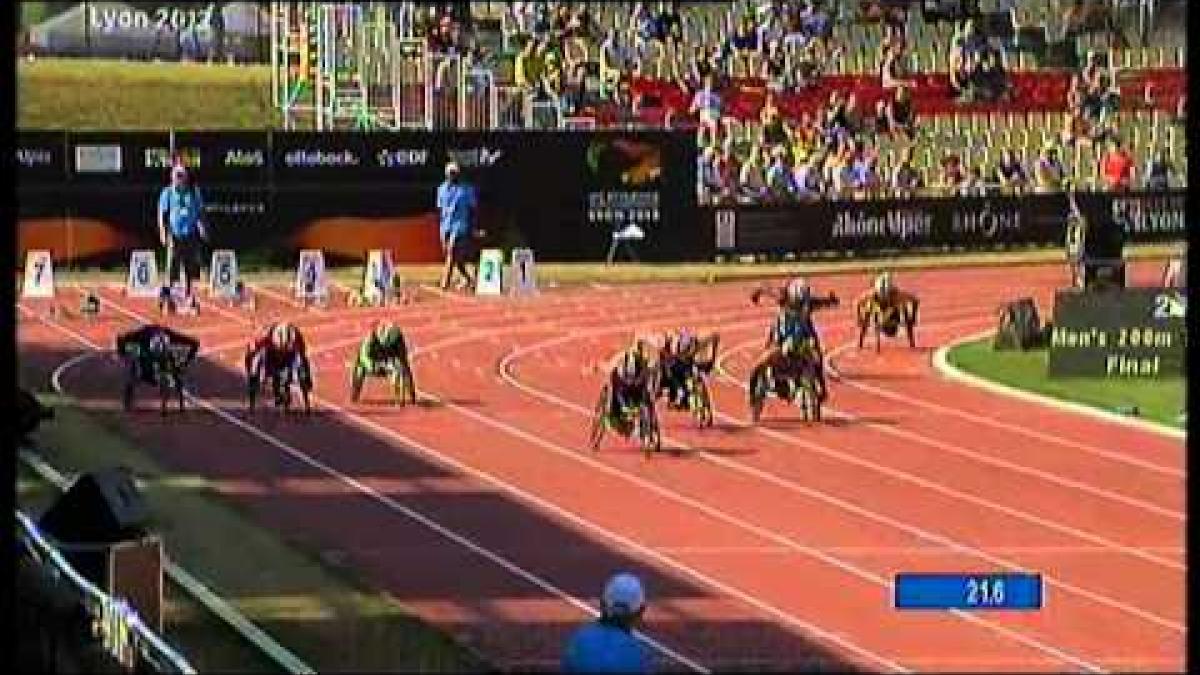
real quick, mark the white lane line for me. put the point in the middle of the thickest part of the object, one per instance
(828, 498)
(935, 487)
(505, 370)
(949, 370)
(1016, 428)
(1018, 468)
(392, 504)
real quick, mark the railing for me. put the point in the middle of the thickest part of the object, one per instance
(119, 627)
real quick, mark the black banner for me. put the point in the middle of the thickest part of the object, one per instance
(1136, 332)
(929, 224)
(562, 194)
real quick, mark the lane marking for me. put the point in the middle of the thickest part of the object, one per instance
(941, 362)
(822, 496)
(412, 514)
(505, 371)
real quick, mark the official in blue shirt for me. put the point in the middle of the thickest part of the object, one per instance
(456, 204)
(608, 644)
(180, 229)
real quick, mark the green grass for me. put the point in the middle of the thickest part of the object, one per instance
(90, 94)
(1158, 400)
(327, 616)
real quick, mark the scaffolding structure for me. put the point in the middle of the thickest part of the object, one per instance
(359, 65)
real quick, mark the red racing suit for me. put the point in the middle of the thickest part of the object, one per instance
(264, 360)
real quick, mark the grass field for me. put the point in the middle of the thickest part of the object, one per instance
(78, 94)
(1156, 400)
(326, 616)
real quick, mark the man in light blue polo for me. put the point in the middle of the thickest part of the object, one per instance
(608, 644)
(180, 230)
(456, 204)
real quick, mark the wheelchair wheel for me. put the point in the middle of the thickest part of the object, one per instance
(648, 430)
(598, 421)
(403, 387)
(807, 399)
(357, 378)
(701, 401)
(166, 390)
(758, 395)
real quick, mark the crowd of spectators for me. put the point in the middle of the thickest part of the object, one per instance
(571, 56)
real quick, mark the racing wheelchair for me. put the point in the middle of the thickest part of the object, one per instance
(887, 320)
(795, 382)
(282, 382)
(398, 374)
(633, 419)
(163, 371)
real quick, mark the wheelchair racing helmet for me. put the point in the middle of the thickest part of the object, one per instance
(283, 336)
(387, 333)
(627, 369)
(798, 289)
(883, 282)
(159, 343)
(790, 346)
(685, 341)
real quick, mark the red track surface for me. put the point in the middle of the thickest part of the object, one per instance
(769, 547)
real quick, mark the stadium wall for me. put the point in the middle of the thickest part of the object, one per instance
(89, 197)
(935, 224)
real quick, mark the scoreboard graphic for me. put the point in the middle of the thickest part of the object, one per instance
(1128, 333)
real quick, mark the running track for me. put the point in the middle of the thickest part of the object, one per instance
(761, 548)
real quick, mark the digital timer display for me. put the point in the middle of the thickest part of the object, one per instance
(1012, 591)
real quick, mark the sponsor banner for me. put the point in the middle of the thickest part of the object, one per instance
(561, 194)
(1127, 333)
(40, 157)
(961, 223)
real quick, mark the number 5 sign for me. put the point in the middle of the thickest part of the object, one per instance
(491, 266)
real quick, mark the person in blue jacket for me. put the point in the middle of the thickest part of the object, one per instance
(180, 228)
(456, 204)
(608, 644)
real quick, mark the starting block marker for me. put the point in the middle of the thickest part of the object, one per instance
(39, 275)
(378, 282)
(524, 281)
(491, 269)
(311, 283)
(142, 281)
(223, 275)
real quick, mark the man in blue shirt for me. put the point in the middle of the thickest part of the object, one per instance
(608, 644)
(180, 229)
(456, 206)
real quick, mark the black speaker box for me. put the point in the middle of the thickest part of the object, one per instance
(1020, 326)
(1096, 275)
(101, 507)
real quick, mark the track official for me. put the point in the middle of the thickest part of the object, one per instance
(457, 205)
(180, 229)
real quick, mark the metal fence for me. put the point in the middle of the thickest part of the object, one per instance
(122, 632)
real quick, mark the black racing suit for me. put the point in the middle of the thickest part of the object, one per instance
(143, 364)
